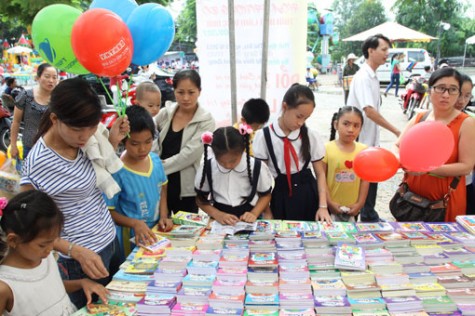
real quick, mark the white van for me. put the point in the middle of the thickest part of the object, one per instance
(419, 56)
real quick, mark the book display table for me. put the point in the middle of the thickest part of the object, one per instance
(302, 268)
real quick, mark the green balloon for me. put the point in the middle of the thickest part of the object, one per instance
(51, 33)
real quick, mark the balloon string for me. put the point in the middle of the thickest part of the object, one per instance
(105, 89)
(121, 105)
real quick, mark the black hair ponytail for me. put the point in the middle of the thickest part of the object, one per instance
(305, 150)
(248, 156)
(332, 126)
(205, 159)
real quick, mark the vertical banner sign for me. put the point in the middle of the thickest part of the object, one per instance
(286, 57)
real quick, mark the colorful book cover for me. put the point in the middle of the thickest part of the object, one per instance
(297, 312)
(262, 299)
(366, 238)
(186, 218)
(444, 227)
(350, 257)
(390, 236)
(224, 311)
(467, 221)
(463, 237)
(377, 312)
(331, 301)
(379, 227)
(261, 312)
(158, 245)
(144, 253)
(298, 226)
(227, 297)
(263, 258)
(122, 276)
(415, 235)
(126, 286)
(264, 227)
(409, 227)
(105, 309)
(346, 227)
(314, 234)
(144, 266)
(190, 308)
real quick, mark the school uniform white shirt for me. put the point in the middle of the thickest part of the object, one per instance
(364, 91)
(317, 148)
(232, 186)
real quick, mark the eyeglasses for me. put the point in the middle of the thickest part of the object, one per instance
(442, 89)
(466, 97)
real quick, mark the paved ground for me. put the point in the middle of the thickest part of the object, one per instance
(329, 98)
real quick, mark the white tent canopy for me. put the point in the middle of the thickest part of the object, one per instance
(19, 50)
(468, 41)
(394, 31)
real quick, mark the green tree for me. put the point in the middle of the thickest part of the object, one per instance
(426, 15)
(25, 10)
(352, 17)
(186, 25)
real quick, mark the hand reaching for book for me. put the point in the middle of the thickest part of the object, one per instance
(90, 287)
(323, 215)
(248, 217)
(226, 219)
(91, 262)
(143, 234)
(165, 224)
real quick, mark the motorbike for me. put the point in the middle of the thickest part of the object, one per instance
(411, 99)
(5, 126)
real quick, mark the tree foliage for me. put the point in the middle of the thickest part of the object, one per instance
(186, 23)
(426, 15)
(352, 17)
(24, 11)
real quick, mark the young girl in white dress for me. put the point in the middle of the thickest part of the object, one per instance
(30, 283)
(232, 186)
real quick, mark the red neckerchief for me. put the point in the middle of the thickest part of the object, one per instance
(289, 150)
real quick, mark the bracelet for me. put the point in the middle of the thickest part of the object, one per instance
(322, 206)
(70, 248)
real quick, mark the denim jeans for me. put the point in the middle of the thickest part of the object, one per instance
(394, 80)
(368, 213)
(70, 269)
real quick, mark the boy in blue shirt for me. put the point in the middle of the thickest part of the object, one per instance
(142, 201)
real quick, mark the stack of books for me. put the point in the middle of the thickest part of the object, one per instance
(468, 222)
(404, 304)
(156, 304)
(332, 305)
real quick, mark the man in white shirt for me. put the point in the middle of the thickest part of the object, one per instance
(365, 94)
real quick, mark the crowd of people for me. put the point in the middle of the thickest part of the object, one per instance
(82, 200)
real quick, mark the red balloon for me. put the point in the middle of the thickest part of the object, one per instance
(426, 146)
(102, 42)
(375, 164)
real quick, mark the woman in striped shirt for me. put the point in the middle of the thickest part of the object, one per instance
(57, 165)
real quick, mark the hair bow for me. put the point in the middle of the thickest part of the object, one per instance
(3, 204)
(245, 129)
(207, 138)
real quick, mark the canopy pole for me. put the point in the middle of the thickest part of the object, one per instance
(265, 48)
(232, 60)
(464, 54)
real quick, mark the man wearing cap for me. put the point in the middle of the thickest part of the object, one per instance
(349, 70)
(365, 94)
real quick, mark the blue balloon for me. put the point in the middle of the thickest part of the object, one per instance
(152, 29)
(122, 8)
